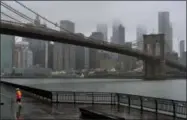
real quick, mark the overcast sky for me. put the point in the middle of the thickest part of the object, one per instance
(87, 14)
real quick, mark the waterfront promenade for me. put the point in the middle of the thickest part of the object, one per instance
(36, 108)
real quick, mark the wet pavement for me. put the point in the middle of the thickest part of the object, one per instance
(35, 109)
(131, 113)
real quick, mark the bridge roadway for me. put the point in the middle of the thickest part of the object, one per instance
(47, 34)
(36, 109)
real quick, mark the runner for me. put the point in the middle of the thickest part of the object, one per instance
(18, 95)
(18, 100)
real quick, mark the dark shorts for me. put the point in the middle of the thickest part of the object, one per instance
(18, 100)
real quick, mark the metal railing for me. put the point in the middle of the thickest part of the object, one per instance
(43, 94)
(7, 107)
(157, 105)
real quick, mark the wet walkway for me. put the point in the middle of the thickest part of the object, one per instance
(131, 113)
(36, 109)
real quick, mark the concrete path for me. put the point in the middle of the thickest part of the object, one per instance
(36, 109)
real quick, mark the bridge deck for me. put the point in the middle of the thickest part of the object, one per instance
(35, 109)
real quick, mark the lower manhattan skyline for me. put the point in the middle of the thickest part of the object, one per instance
(131, 14)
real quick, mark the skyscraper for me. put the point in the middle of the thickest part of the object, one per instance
(181, 47)
(68, 50)
(58, 57)
(80, 56)
(118, 36)
(103, 29)
(115, 34)
(50, 55)
(7, 47)
(140, 31)
(38, 47)
(121, 34)
(165, 27)
(93, 53)
(23, 56)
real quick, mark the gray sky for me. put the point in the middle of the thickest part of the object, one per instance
(87, 14)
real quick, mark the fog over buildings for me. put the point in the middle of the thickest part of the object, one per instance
(121, 22)
(87, 14)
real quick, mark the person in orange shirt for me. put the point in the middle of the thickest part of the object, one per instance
(18, 95)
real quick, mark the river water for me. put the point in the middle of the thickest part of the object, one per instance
(169, 89)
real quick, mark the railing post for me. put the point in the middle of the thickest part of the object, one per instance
(156, 106)
(57, 97)
(174, 109)
(118, 101)
(74, 97)
(141, 103)
(111, 99)
(129, 100)
(92, 98)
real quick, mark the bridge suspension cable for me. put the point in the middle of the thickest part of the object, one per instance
(17, 12)
(9, 17)
(55, 24)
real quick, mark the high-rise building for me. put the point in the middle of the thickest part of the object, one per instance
(58, 57)
(121, 34)
(17, 56)
(93, 53)
(118, 37)
(127, 62)
(38, 47)
(29, 58)
(50, 55)
(7, 47)
(183, 60)
(80, 55)
(68, 50)
(140, 31)
(115, 31)
(103, 29)
(23, 55)
(181, 47)
(87, 58)
(165, 27)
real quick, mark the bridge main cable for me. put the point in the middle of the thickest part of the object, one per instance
(9, 17)
(55, 24)
(17, 12)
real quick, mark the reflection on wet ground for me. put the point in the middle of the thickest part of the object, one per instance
(32, 108)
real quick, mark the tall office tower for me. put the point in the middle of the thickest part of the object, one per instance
(93, 53)
(165, 27)
(115, 34)
(7, 48)
(58, 57)
(87, 58)
(29, 58)
(121, 34)
(118, 37)
(50, 55)
(140, 31)
(69, 50)
(23, 56)
(17, 56)
(80, 55)
(103, 29)
(181, 47)
(38, 47)
(183, 60)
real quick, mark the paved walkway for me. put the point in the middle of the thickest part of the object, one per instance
(35, 109)
(131, 113)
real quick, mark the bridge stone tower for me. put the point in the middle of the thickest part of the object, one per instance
(154, 45)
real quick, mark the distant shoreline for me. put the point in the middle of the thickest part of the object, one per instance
(90, 77)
